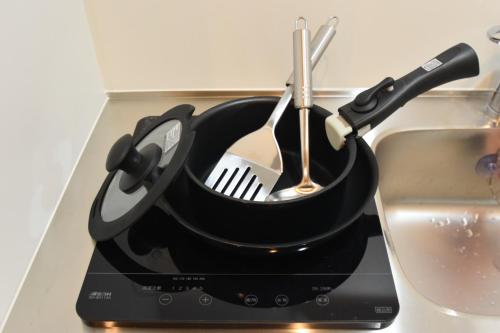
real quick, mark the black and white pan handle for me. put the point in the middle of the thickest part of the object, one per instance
(374, 105)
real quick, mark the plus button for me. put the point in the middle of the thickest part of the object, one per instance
(205, 299)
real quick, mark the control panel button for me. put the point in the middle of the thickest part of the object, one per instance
(281, 300)
(322, 300)
(205, 299)
(165, 299)
(251, 300)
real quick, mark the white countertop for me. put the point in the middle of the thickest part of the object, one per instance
(46, 302)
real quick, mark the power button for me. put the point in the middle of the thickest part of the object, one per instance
(281, 300)
(251, 300)
(322, 300)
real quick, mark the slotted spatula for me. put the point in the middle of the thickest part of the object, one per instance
(250, 168)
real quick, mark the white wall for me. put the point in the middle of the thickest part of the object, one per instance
(50, 96)
(245, 44)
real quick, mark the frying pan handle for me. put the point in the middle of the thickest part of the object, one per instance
(374, 105)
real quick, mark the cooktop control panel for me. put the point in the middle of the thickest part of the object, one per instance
(220, 299)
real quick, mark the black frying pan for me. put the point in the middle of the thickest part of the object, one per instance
(349, 176)
(277, 227)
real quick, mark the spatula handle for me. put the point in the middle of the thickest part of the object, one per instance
(320, 42)
(302, 74)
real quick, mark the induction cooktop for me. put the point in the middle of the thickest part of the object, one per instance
(156, 274)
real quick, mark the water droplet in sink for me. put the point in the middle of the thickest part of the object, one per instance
(462, 249)
(469, 233)
(464, 221)
(476, 218)
(448, 221)
(441, 223)
(496, 263)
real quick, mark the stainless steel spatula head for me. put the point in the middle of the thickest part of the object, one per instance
(251, 167)
(240, 178)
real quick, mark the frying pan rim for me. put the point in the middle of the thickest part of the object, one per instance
(350, 146)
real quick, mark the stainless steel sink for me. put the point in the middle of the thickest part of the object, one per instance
(443, 216)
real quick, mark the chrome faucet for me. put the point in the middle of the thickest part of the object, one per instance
(493, 107)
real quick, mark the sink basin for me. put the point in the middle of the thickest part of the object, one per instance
(442, 212)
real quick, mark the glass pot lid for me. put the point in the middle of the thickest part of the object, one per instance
(141, 168)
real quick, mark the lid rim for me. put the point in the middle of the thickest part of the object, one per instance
(101, 230)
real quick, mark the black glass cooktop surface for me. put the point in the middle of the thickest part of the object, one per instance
(155, 274)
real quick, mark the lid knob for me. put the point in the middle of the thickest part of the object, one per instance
(137, 165)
